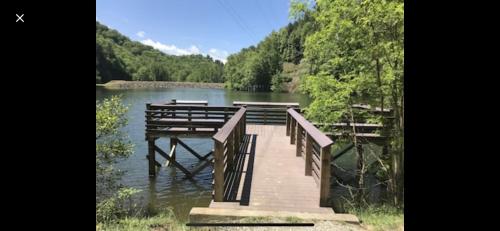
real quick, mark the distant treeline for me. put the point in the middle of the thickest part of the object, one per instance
(119, 58)
(262, 65)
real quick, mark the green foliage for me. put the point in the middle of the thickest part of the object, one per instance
(356, 55)
(262, 65)
(380, 217)
(116, 206)
(165, 220)
(111, 146)
(119, 58)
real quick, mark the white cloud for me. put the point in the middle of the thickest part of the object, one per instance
(173, 50)
(141, 34)
(194, 50)
(218, 54)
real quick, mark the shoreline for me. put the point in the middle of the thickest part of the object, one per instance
(122, 84)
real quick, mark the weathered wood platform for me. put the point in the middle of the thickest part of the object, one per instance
(274, 176)
(267, 157)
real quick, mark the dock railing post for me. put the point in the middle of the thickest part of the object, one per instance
(293, 130)
(299, 140)
(324, 188)
(230, 150)
(309, 141)
(287, 121)
(218, 172)
(245, 121)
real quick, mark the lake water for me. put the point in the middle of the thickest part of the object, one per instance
(169, 188)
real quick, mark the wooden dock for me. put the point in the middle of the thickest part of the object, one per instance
(266, 156)
(272, 176)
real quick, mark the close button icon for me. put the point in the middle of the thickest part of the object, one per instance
(20, 18)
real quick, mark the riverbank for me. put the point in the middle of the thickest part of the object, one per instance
(121, 84)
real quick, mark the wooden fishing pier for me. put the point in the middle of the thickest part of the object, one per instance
(266, 155)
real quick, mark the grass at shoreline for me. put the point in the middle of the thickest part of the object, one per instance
(374, 218)
(380, 217)
(163, 221)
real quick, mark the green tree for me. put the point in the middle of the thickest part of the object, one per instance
(119, 58)
(111, 146)
(356, 54)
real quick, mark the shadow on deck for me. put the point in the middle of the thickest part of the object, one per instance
(239, 190)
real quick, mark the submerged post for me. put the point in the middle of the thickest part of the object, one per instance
(173, 143)
(151, 157)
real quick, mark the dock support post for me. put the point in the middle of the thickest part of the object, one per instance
(324, 190)
(309, 141)
(151, 157)
(237, 135)
(299, 141)
(173, 142)
(230, 149)
(292, 132)
(218, 172)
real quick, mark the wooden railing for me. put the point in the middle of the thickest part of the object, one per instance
(314, 147)
(266, 112)
(167, 119)
(187, 102)
(227, 143)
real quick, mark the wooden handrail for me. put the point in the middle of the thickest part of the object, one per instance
(260, 104)
(192, 107)
(226, 130)
(316, 134)
(227, 143)
(266, 112)
(314, 146)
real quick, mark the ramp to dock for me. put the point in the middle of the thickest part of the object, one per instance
(273, 176)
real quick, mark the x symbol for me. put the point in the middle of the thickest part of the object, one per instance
(20, 18)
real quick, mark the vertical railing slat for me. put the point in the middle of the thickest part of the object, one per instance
(219, 172)
(299, 140)
(308, 169)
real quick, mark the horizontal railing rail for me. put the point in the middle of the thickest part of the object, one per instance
(164, 119)
(266, 112)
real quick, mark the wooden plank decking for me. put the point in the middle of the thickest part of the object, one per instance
(276, 179)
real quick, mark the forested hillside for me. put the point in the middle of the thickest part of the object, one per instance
(119, 58)
(262, 65)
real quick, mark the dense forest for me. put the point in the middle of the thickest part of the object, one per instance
(340, 53)
(119, 58)
(273, 61)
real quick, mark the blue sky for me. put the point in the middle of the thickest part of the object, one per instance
(214, 27)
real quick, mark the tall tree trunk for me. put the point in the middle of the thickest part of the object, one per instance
(397, 153)
(360, 161)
